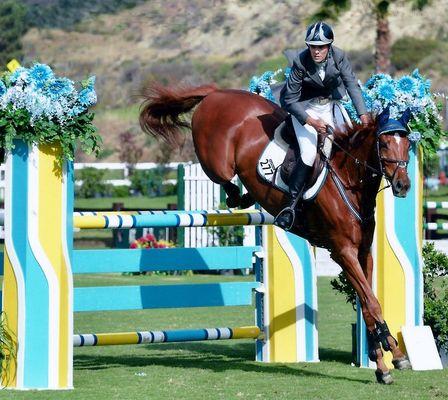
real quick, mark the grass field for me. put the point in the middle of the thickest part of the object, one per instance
(223, 370)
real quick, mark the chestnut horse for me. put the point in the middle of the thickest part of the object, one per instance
(230, 130)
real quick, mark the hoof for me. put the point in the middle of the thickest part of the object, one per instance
(384, 378)
(233, 202)
(402, 363)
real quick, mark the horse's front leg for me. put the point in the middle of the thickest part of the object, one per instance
(348, 258)
(379, 332)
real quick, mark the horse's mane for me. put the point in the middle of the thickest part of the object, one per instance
(352, 137)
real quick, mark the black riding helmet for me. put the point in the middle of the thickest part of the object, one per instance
(319, 34)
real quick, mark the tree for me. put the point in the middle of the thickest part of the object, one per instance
(332, 9)
(13, 25)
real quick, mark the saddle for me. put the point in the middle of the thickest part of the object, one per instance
(280, 155)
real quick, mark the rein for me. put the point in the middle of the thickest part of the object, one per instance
(380, 172)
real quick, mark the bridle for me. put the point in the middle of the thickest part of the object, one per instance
(403, 164)
(375, 171)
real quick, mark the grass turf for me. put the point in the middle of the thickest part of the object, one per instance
(223, 370)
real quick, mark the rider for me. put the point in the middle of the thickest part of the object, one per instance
(320, 75)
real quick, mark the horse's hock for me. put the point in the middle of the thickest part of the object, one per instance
(38, 293)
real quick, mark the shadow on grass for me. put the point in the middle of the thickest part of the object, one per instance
(212, 357)
(344, 357)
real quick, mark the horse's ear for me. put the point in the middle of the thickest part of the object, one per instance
(404, 119)
(384, 116)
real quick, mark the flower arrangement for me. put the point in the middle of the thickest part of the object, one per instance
(262, 84)
(409, 91)
(39, 107)
(149, 241)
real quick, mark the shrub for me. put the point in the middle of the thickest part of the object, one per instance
(92, 184)
(149, 182)
(265, 31)
(120, 191)
(407, 51)
(435, 286)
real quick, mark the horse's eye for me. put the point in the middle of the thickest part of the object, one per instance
(383, 145)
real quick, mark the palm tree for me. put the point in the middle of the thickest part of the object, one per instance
(332, 9)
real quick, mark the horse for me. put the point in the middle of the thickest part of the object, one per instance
(231, 128)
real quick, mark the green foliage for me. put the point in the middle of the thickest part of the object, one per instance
(272, 64)
(15, 124)
(330, 10)
(120, 191)
(407, 51)
(8, 350)
(266, 30)
(12, 26)
(229, 235)
(435, 278)
(92, 184)
(129, 151)
(431, 130)
(342, 285)
(65, 14)
(431, 165)
(150, 182)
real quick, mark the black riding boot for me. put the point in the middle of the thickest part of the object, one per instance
(297, 181)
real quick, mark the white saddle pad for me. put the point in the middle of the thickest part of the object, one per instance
(274, 154)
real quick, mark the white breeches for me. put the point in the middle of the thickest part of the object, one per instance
(331, 113)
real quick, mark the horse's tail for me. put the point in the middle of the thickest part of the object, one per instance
(162, 107)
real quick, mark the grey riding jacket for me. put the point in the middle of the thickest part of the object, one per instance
(305, 84)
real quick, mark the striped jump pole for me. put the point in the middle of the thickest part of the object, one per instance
(181, 335)
(171, 220)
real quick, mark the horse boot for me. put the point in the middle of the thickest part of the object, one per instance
(297, 181)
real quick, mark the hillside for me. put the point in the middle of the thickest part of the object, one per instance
(201, 41)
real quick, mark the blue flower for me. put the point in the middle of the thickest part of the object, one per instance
(421, 90)
(59, 87)
(19, 74)
(253, 84)
(40, 74)
(88, 83)
(406, 84)
(348, 105)
(76, 110)
(416, 74)
(367, 100)
(87, 97)
(2, 88)
(386, 91)
(287, 72)
(415, 136)
(377, 79)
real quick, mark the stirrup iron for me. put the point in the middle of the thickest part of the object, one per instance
(288, 213)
